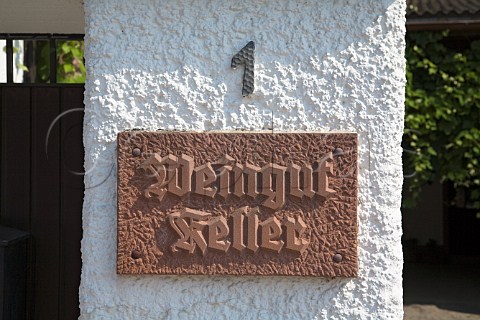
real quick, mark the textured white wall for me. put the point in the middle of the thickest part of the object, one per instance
(328, 65)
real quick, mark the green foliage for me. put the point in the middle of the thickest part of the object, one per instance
(43, 62)
(442, 121)
(70, 67)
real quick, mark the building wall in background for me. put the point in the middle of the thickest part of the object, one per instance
(325, 65)
(41, 16)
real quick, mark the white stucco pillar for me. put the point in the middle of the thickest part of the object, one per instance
(324, 65)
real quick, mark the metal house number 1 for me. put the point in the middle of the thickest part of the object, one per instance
(246, 56)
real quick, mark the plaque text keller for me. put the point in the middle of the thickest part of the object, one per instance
(237, 203)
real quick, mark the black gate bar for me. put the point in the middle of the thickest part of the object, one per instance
(9, 60)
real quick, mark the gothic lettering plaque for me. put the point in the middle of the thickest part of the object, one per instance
(237, 203)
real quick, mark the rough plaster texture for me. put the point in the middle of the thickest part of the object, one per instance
(329, 65)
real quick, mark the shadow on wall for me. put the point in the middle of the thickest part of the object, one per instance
(454, 287)
(442, 258)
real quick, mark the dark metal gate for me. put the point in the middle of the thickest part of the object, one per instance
(42, 190)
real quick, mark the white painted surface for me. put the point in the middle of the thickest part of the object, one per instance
(41, 16)
(19, 47)
(18, 54)
(320, 65)
(3, 61)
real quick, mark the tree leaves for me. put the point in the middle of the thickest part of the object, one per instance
(442, 118)
(71, 68)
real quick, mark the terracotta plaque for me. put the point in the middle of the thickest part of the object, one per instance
(237, 203)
